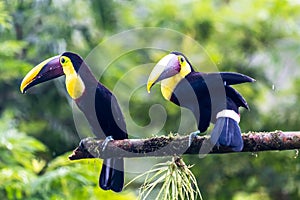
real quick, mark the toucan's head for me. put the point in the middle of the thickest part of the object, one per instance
(170, 69)
(173, 64)
(67, 64)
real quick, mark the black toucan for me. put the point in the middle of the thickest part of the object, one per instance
(98, 104)
(208, 95)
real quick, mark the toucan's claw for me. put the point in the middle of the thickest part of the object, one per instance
(192, 136)
(81, 145)
(106, 141)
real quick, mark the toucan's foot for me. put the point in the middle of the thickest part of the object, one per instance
(106, 141)
(192, 136)
(81, 145)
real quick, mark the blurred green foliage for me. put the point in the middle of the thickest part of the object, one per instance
(259, 38)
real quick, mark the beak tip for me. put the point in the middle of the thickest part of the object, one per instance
(23, 87)
(22, 90)
(149, 86)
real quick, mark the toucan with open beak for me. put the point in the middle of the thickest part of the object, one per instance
(208, 95)
(98, 104)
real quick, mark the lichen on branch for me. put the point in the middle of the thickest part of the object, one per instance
(179, 145)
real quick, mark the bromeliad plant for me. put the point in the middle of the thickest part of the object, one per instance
(174, 178)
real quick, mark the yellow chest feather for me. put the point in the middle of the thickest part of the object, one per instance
(168, 85)
(74, 85)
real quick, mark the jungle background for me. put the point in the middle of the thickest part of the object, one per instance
(260, 38)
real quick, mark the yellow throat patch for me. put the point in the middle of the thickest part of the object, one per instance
(74, 83)
(168, 85)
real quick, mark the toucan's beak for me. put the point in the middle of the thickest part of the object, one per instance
(167, 67)
(46, 70)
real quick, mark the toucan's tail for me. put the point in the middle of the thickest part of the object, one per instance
(112, 174)
(227, 133)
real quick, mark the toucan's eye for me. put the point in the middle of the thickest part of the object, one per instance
(62, 60)
(181, 59)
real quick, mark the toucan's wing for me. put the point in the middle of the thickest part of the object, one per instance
(236, 97)
(109, 113)
(229, 78)
(217, 82)
(192, 93)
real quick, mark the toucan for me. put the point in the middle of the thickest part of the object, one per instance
(208, 95)
(97, 102)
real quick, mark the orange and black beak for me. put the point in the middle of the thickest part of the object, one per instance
(46, 70)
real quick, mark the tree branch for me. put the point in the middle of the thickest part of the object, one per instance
(178, 145)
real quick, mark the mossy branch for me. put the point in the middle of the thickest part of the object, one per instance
(178, 145)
